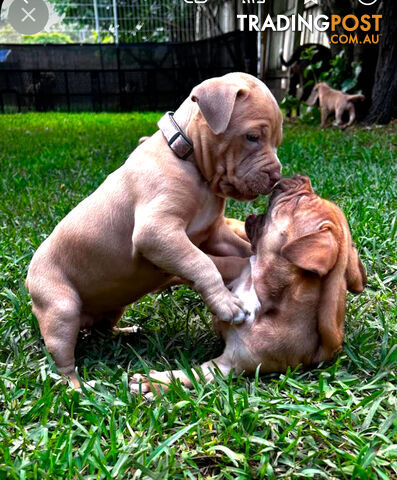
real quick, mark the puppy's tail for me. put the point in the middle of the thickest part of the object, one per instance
(283, 62)
(286, 63)
(356, 98)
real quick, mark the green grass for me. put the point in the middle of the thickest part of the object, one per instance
(336, 421)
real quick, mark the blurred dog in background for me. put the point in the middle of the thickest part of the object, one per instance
(299, 86)
(334, 102)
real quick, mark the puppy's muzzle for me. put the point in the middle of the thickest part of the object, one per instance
(262, 182)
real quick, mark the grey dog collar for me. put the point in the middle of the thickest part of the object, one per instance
(178, 142)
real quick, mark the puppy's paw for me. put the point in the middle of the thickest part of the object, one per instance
(148, 386)
(229, 308)
(126, 330)
(139, 384)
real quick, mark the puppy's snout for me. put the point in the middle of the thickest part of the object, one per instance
(262, 182)
(295, 183)
(274, 176)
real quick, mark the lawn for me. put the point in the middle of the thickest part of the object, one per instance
(337, 421)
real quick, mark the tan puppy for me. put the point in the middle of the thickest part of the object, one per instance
(334, 102)
(238, 227)
(150, 218)
(294, 285)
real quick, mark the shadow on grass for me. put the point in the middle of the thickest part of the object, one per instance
(162, 339)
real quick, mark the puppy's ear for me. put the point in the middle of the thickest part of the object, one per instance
(312, 100)
(253, 225)
(356, 277)
(250, 226)
(216, 99)
(316, 252)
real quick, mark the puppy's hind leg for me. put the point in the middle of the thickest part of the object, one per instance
(352, 114)
(160, 380)
(339, 118)
(324, 116)
(60, 323)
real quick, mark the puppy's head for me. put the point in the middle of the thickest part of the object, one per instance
(305, 260)
(238, 127)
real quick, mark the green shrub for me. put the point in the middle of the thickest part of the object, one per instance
(44, 37)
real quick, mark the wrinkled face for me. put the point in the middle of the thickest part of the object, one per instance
(252, 139)
(279, 281)
(284, 331)
(302, 265)
(240, 127)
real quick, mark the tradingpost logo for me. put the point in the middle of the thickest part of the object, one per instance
(348, 29)
(364, 30)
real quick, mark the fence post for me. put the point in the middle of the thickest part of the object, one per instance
(97, 21)
(259, 43)
(120, 77)
(116, 26)
(299, 9)
(67, 89)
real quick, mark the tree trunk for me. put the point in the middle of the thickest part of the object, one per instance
(342, 8)
(384, 93)
(366, 54)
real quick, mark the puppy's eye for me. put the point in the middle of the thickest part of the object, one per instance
(252, 138)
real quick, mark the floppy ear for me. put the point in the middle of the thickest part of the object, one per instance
(313, 96)
(253, 224)
(216, 99)
(330, 318)
(356, 277)
(331, 312)
(316, 252)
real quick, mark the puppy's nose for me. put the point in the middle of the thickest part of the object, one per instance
(275, 176)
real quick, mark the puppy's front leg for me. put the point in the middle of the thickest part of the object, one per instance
(225, 242)
(229, 267)
(160, 380)
(167, 246)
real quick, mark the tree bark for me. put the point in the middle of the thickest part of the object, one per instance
(378, 78)
(384, 93)
(342, 8)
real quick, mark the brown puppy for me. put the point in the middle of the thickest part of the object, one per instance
(156, 215)
(295, 285)
(334, 102)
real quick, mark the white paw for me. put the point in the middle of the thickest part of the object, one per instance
(229, 308)
(241, 317)
(90, 384)
(139, 384)
(126, 330)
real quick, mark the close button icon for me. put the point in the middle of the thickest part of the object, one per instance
(28, 16)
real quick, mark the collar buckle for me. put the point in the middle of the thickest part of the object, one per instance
(178, 142)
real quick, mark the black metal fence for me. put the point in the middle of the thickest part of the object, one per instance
(142, 76)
